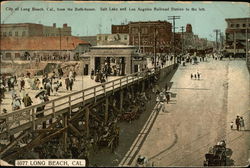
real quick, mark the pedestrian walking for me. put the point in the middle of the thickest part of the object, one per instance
(37, 86)
(237, 122)
(16, 103)
(67, 82)
(60, 71)
(194, 76)
(48, 88)
(198, 75)
(44, 81)
(191, 76)
(39, 109)
(57, 84)
(92, 74)
(27, 101)
(242, 123)
(9, 84)
(71, 82)
(166, 86)
(22, 84)
(232, 124)
(74, 75)
(70, 74)
(162, 100)
(167, 97)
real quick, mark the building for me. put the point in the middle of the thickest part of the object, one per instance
(150, 37)
(112, 39)
(237, 35)
(32, 29)
(121, 59)
(188, 37)
(90, 39)
(124, 29)
(43, 48)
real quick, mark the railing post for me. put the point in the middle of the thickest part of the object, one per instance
(127, 80)
(138, 77)
(8, 125)
(95, 93)
(104, 88)
(33, 119)
(69, 106)
(83, 100)
(53, 109)
(120, 83)
(113, 83)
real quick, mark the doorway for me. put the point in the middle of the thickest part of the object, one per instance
(97, 63)
(86, 69)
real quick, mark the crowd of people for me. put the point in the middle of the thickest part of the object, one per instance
(19, 87)
(162, 96)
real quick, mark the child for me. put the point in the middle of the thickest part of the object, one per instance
(232, 124)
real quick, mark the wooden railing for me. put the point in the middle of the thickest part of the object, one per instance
(28, 114)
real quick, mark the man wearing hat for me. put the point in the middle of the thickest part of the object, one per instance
(27, 100)
(16, 103)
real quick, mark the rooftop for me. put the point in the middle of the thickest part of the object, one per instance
(114, 46)
(41, 43)
(232, 19)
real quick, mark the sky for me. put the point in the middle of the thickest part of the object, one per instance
(207, 17)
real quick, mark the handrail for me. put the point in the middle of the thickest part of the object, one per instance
(94, 91)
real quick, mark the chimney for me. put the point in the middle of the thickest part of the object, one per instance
(65, 25)
(54, 25)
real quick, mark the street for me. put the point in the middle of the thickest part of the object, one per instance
(199, 115)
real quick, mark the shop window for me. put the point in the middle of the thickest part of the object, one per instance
(134, 30)
(17, 55)
(8, 55)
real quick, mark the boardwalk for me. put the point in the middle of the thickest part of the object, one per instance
(25, 118)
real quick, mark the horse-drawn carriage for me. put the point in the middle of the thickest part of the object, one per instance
(131, 114)
(110, 138)
(217, 155)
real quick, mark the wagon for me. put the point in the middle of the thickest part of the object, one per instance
(216, 156)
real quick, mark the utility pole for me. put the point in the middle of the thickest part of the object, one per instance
(216, 32)
(60, 41)
(174, 18)
(247, 59)
(182, 44)
(234, 43)
(155, 47)
(221, 40)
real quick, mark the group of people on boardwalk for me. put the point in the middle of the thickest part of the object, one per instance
(239, 122)
(162, 96)
(196, 75)
(19, 87)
